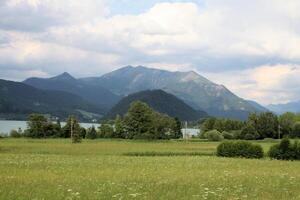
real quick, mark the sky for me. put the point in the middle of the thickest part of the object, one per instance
(251, 47)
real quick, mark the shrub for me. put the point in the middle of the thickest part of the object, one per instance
(285, 150)
(3, 135)
(236, 134)
(240, 149)
(249, 136)
(214, 135)
(15, 134)
(227, 135)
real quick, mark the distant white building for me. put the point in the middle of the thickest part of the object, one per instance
(190, 132)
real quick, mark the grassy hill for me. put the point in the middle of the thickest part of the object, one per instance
(161, 102)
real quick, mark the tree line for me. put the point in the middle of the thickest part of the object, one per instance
(140, 122)
(258, 126)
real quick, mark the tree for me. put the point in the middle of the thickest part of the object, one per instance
(267, 125)
(36, 126)
(177, 129)
(249, 132)
(72, 129)
(162, 127)
(138, 120)
(106, 131)
(286, 122)
(91, 133)
(119, 128)
(82, 132)
(208, 124)
(219, 125)
(296, 130)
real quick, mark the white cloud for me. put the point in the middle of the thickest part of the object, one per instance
(266, 84)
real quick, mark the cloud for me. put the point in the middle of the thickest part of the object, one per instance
(38, 15)
(214, 37)
(266, 84)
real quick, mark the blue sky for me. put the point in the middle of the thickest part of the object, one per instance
(251, 47)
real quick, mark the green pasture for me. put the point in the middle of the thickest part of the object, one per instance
(122, 169)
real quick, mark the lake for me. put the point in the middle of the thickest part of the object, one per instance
(6, 126)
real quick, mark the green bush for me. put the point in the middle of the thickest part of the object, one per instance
(214, 135)
(285, 150)
(227, 135)
(240, 149)
(15, 134)
(3, 135)
(236, 134)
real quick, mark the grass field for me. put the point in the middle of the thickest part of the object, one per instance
(112, 169)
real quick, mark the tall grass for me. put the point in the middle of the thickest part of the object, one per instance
(56, 169)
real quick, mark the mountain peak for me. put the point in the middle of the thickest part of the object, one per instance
(64, 76)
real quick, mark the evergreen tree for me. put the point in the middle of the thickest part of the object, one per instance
(177, 129)
(91, 133)
(82, 132)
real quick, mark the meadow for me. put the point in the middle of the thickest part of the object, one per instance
(123, 169)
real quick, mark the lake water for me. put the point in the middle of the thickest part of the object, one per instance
(6, 126)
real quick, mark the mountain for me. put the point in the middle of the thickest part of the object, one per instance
(282, 108)
(258, 106)
(195, 90)
(18, 99)
(95, 94)
(160, 101)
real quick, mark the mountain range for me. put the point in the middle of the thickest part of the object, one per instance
(195, 90)
(282, 108)
(161, 102)
(104, 92)
(95, 94)
(19, 99)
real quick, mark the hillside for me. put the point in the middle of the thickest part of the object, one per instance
(159, 101)
(18, 99)
(258, 106)
(195, 90)
(95, 94)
